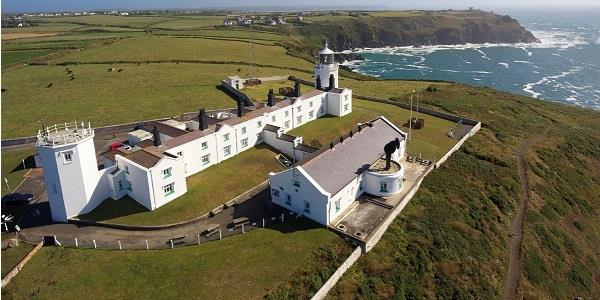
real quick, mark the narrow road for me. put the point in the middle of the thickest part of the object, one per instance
(516, 226)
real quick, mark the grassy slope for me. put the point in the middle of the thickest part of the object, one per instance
(452, 238)
(243, 266)
(207, 189)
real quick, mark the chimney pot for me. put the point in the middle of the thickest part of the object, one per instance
(156, 136)
(240, 108)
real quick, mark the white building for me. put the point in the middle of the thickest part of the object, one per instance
(325, 185)
(153, 170)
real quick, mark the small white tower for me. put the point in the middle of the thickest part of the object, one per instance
(325, 67)
(70, 167)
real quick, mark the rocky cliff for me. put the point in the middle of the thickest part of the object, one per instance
(371, 30)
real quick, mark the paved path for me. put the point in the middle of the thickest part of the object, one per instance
(36, 222)
(516, 227)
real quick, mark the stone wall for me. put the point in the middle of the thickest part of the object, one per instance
(330, 283)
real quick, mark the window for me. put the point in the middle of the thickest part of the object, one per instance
(129, 187)
(126, 169)
(299, 108)
(345, 107)
(259, 124)
(296, 183)
(287, 124)
(288, 200)
(310, 104)
(120, 185)
(206, 159)
(245, 143)
(383, 187)
(169, 189)
(337, 205)
(244, 130)
(311, 114)
(227, 150)
(299, 119)
(287, 113)
(166, 173)
(273, 119)
(259, 136)
(204, 145)
(346, 97)
(180, 153)
(226, 137)
(274, 193)
(307, 207)
(68, 156)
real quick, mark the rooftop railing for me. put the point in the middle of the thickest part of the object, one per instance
(66, 133)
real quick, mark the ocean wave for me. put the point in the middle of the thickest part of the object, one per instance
(528, 88)
(503, 64)
(521, 62)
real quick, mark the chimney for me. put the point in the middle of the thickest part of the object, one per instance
(331, 81)
(202, 121)
(318, 82)
(156, 136)
(297, 89)
(270, 98)
(240, 108)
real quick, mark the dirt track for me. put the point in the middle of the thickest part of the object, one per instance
(516, 226)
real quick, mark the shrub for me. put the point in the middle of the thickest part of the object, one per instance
(534, 267)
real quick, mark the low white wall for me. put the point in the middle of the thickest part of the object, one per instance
(458, 145)
(330, 283)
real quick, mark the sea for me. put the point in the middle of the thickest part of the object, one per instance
(564, 67)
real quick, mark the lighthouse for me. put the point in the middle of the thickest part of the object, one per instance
(326, 69)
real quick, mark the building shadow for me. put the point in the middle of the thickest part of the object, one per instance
(29, 164)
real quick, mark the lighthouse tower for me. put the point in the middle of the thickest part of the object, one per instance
(71, 173)
(326, 69)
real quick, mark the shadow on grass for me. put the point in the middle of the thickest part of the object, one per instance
(110, 209)
(29, 164)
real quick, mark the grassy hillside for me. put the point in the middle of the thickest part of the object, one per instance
(451, 241)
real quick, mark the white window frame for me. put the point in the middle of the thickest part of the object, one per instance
(259, 124)
(205, 159)
(287, 113)
(167, 172)
(169, 189)
(244, 130)
(244, 142)
(273, 118)
(346, 107)
(299, 119)
(226, 150)
(311, 114)
(67, 156)
(204, 145)
(286, 124)
(226, 137)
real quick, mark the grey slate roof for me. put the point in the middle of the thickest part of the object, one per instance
(334, 168)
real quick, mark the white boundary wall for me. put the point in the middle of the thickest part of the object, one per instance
(330, 283)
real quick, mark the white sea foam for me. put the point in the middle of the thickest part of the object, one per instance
(521, 62)
(451, 71)
(598, 41)
(483, 54)
(528, 88)
(503, 64)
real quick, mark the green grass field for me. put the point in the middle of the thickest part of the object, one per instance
(242, 267)
(103, 98)
(107, 20)
(12, 256)
(171, 48)
(15, 56)
(206, 190)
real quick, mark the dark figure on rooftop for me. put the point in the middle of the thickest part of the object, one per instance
(389, 149)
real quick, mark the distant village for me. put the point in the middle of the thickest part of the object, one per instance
(262, 20)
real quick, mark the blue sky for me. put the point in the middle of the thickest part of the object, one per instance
(59, 5)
